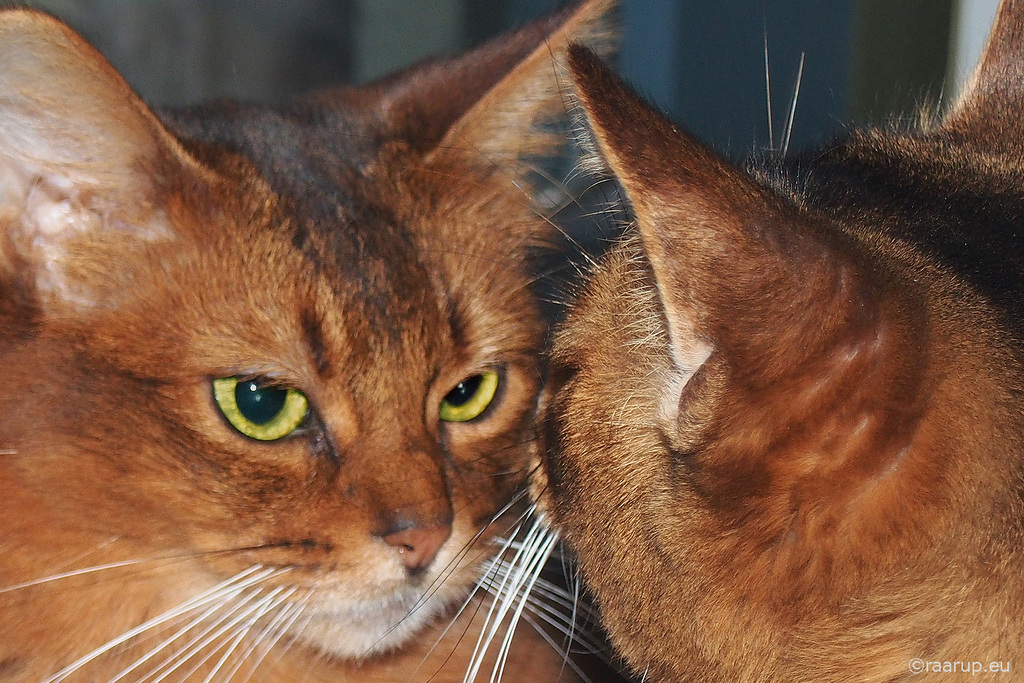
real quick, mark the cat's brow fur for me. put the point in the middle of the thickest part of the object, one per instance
(365, 246)
(835, 493)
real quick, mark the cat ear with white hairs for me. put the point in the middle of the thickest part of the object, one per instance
(78, 151)
(737, 269)
(508, 89)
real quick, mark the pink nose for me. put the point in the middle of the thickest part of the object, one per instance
(418, 546)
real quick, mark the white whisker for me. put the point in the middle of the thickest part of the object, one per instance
(480, 585)
(539, 555)
(71, 574)
(550, 603)
(485, 637)
(453, 565)
(564, 625)
(272, 603)
(509, 587)
(768, 92)
(575, 597)
(232, 646)
(792, 108)
(553, 596)
(550, 606)
(557, 648)
(286, 628)
(168, 641)
(268, 637)
(212, 633)
(218, 593)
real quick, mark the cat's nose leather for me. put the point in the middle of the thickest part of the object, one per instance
(418, 546)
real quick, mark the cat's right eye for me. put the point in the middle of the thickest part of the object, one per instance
(470, 397)
(258, 410)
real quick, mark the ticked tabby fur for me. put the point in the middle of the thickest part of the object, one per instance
(356, 256)
(787, 418)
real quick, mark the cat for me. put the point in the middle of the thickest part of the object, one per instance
(269, 372)
(784, 425)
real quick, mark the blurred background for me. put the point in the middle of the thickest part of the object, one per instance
(701, 61)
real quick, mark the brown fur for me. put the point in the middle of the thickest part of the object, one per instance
(786, 429)
(365, 246)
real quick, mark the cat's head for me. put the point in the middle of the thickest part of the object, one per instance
(293, 349)
(784, 440)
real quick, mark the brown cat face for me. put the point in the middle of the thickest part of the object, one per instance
(272, 370)
(785, 432)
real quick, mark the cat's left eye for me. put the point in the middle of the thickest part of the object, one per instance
(469, 398)
(258, 410)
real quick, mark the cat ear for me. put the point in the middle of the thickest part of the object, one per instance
(988, 110)
(737, 269)
(488, 102)
(78, 151)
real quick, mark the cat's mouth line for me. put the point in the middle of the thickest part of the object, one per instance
(308, 544)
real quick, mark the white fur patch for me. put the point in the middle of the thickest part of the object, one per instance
(689, 353)
(50, 216)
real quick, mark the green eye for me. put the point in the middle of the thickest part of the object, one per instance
(266, 413)
(469, 398)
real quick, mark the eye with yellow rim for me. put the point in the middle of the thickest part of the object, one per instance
(469, 398)
(258, 410)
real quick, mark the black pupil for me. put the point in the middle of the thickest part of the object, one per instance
(259, 404)
(464, 390)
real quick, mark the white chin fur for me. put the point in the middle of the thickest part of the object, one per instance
(370, 628)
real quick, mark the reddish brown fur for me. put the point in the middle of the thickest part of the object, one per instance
(135, 268)
(836, 490)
